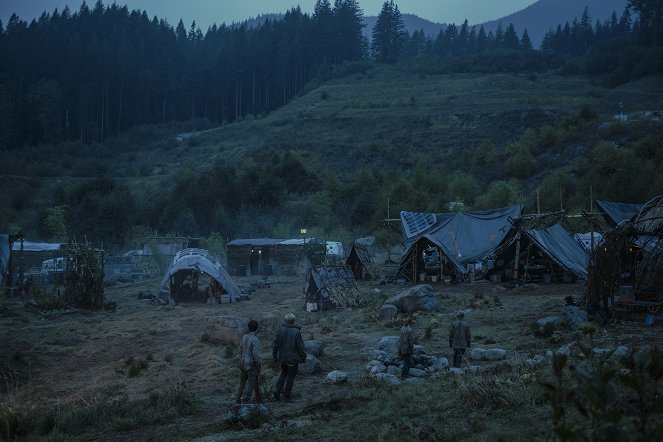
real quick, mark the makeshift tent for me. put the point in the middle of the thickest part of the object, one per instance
(630, 258)
(552, 251)
(463, 239)
(329, 287)
(360, 262)
(266, 256)
(368, 242)
(617, 213)
(200, 261)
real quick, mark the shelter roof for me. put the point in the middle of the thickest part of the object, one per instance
(563, 248)
(617, 213)
(30, 246)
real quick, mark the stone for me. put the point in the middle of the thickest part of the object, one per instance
(314, 347)
(394, 370)
(377, 292)
(495, 354)
(564, 350)
(472, 368)
(419, 367)
(553, 320)
(456, 371)
(417, 373)
(388, 312)
(312, 365)
(336, 377)
(379, 355)
(389, 344)
(440, 364)
(375, 369)
(621, 351)
(600, 351)
(387, 379)
(549, 354)
(539, 360)
(425, 360)
(477, 354)
(418, 298)
(418, 350)
(226, 330)
(574, 315)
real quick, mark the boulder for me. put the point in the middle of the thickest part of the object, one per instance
(375, 369)
(226, 330)
(495, 354)
(336, 377)
(621, 351)
(394, 370)
(553, 320)
(314, 347)
(387, 379)
(312, 365)
(417, 373)
(417, 298)
(389, 344)
(440, 364)
(388, 312)
(564, 350)
(600, 351)
(472, 368)
(456, 371)
(477, 354)
(418, 350)
(574, 315)
(379, 355)
(425, 360)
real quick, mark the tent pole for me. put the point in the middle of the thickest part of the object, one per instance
(515, 261)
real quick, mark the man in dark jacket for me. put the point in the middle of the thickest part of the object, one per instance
(249, 365)
(289, 352)
(406, 346)
(459, 338)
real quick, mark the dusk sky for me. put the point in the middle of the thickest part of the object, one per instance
(207, 12)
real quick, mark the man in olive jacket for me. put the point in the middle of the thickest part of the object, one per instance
(249, 365)
(406, 346)
(289, 352)
(459, 338)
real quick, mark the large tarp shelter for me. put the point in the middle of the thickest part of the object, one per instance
(329, 287)
(463, 239)
(616, 213)
(552, 251)
(267, 256)
(202, 261)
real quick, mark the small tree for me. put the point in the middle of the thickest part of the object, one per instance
(84, 276)
(56, 222)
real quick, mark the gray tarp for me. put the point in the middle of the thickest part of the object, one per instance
(562, 248)
(202, 261)
(465, 238)
(617, 213)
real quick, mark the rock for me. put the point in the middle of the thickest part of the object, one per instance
(477, 354)
(574, 315)
(375, 369)
(418, 350)
(456, 371)
(495, 354)
(600, 351)
(564, 350)
(539, 359)
(388, 312)
(394, 370)
(472, 368)
(314, 347)
(226, 330)
(549, 354)
(417, 373)
(440, 364)
(425, 360)
(389, 344)
(417, 298)
(377, 292)
(379, 355)
(337, 377)
(387, 378)
(554, 320)
(247, 416)
(312, 365)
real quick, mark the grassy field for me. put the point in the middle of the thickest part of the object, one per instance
(146, 372)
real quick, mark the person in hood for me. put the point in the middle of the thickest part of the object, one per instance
(289, 353)
(406, 347)
(459, 338)
(249, 365)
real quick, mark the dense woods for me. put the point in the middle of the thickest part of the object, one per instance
(106, 81)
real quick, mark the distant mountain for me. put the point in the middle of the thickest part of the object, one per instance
(543, 15)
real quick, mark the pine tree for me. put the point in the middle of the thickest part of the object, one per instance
(526, 42)
(388, 34)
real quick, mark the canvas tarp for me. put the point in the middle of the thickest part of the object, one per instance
(562, 248)
(202, 261)
(617, 213)
(464, 238)
(331, 286)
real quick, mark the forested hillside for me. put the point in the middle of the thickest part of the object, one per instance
(114, 124)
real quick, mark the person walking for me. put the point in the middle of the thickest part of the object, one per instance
(459, 338)
(249, 365)
(406, 347)
(289, 352)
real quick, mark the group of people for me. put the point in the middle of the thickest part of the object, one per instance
(460, 339)
(288, 351)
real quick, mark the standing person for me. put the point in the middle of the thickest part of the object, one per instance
(459, 338)
(289, 352)
(406, 346)
(249, 365)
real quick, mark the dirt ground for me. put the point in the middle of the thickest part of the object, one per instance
(79, 357)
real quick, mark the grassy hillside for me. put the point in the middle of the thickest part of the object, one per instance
(367, 133)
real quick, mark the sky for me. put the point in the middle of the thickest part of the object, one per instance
(207, 12)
